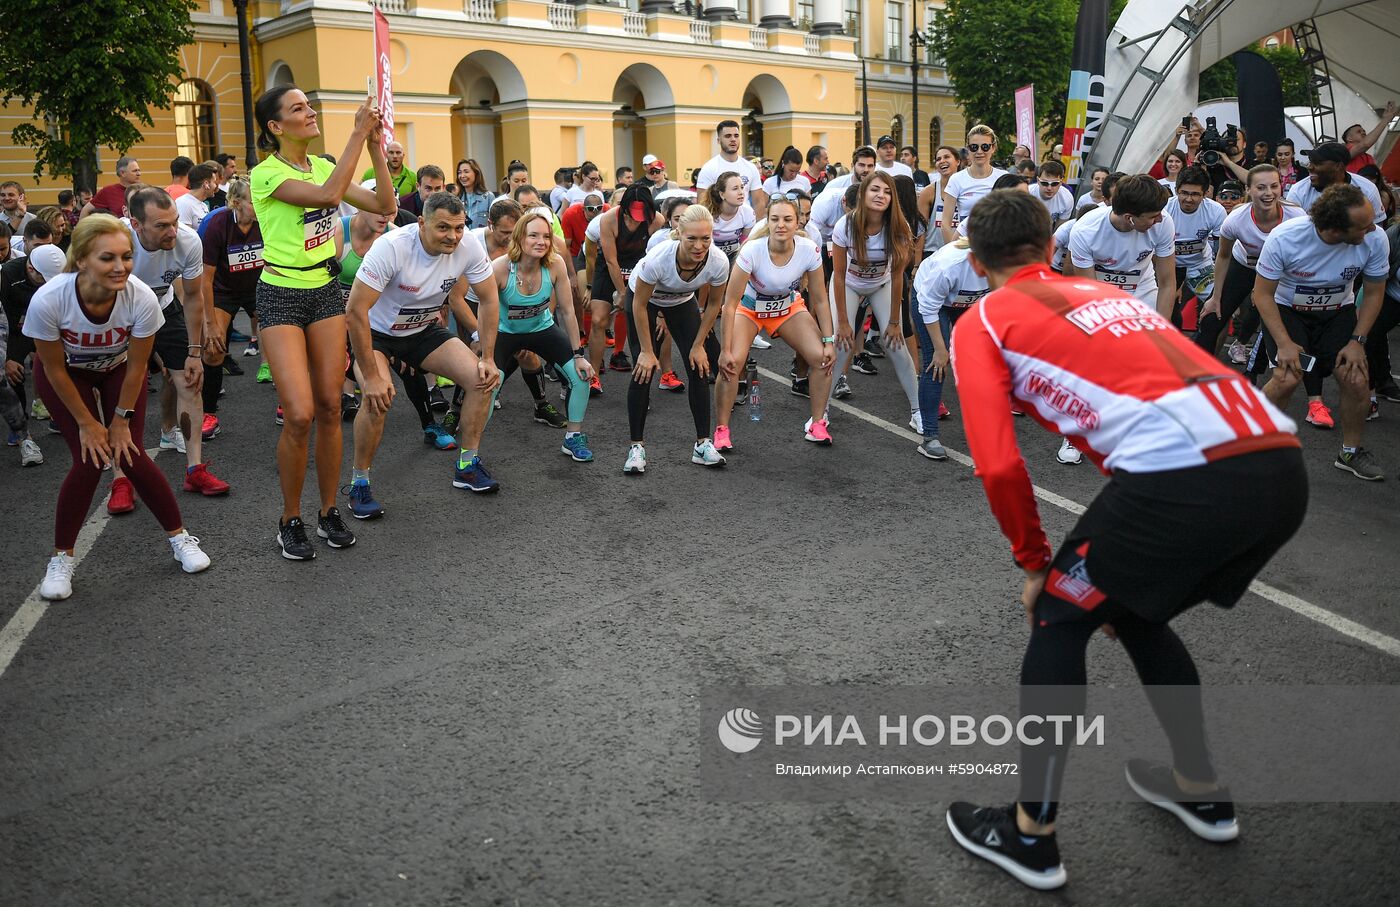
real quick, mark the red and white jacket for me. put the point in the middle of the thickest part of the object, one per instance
(1105, 371)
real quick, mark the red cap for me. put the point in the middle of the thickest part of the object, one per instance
(637, 212)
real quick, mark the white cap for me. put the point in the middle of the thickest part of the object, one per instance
(48, 260)
(648, 160)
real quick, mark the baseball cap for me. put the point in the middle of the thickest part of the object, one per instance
(1335, 152)
(1234, 186)
(48, 260)
(649, 159)
(885, 140)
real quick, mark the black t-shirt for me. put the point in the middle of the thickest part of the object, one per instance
(236, 257)
(921, 179)
(15, 293)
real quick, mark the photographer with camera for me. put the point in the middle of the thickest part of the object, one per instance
(1220, 155)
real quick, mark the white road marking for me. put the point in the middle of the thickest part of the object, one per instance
(1345, 626)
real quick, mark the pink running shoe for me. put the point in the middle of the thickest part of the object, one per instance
(816, 432)
(1319, 415)
(722, 441)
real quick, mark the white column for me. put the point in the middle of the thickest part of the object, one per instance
(775, 13)
(827, 16)
(721, 9)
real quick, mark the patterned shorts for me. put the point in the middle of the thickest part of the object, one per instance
(293, 305)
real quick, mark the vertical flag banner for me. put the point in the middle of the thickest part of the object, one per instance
(1086, 70)
(383, 75)
(1025, 119)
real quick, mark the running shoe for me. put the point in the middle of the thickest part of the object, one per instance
(943, 411)
(990, 832)
(53, 428)
(933, 449)
(37, 410)
(172, 440)
(864, 364)
(1238, 352)
(1069, 454)
(237, 336)
(58, 579)
(496, 404)
(231, 367)
(595, 389)
(13, 439)
(349, 406)
(475, 478)
(759, 343)
(722, 441)
(363, 506)
(1361, 464)
(185, 548)
(546, 414)
(200, 479)
(801, 387)
(436, 401)
(672, 382)
(1374, 413)
(1017, 411)
(123, 496)
(1389, 390)
(610, 340)
(332, 528)
(704, 454)
(439, 437)
(874, 348)
(551, 374)
(1319, 415)
(291, 538)
(1209, 816)
(636, 461)
(277, 417)
(576, 446)
(251, 349)
(741, 395)
(264, 373)
(620, 362)
(451, 421)
(444, 381)
(211, 427)
(842, 388)
(817, 433)
(916, 422)
(29, 453)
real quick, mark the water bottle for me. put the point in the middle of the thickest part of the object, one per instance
(755, 403)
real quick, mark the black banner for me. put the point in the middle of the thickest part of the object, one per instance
(1261, 99)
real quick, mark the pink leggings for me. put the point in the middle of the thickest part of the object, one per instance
(75, 495)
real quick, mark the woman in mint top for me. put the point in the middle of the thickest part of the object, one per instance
(296, 196)
(536, 313)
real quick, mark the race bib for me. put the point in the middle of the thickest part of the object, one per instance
(1127, 281)
(1189, 248)
(873, 270)
(318, 227)
(526, 312)
(410, 321)
(728, 246)
(1321, 299)
(246, 257)
(96, 362)
(965, 298)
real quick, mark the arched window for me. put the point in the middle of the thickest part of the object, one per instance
(194, 121)
(935, 134)
(897, 130)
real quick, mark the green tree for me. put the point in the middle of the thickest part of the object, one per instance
(1220, 80)
(87, 70)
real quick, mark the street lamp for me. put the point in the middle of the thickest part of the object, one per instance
(917, 40)
(245, 67)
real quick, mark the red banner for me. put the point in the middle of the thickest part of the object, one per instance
(1025, 119)
(383, 75)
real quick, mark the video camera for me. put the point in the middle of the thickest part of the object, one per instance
(1213, 145)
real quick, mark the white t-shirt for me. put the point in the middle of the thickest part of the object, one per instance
(1061, 207)
(895, 168)
(1303, 194)
(54, 314)
(559, 198)
(946, 278)
(656, 239)
(578, 194)
(773, 185)
(658, 268)
(967, 191)
(875, 273)
(1314, 276)
(730, 232)
(1123, 259)
(191, 210)
(827, 208)
(716, 165)
(159, 269)
(771, 287)
(594, 231)
(933, 236)
(413, 284)
(1196, 234)
(1057, 261)
(1241, 229)
(814, 233)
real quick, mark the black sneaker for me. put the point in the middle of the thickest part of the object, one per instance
(864, 364)
(451, 422)
(349, 406)
(1361, 464)
(291, 537)
(874, 348)
(990, 832)
(800, 387)
(231, 366)
(333, 529)
(742, 395)
(620, 362)
(1210, 816)
(546, 414)
(1389, 390)
(436, 401)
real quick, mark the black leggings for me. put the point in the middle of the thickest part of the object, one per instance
(1377, 346)
(683, 322)
(1233, 293)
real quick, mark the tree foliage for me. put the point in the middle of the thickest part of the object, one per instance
(1221, 80)
(88, 70)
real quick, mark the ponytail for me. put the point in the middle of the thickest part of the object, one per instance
(267, 108)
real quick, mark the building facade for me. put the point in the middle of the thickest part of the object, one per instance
(554, 84)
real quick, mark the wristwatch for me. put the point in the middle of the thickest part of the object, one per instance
(826, 340)
(127, 414)
(1359, 338)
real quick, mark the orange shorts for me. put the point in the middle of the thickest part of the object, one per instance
(772, 323)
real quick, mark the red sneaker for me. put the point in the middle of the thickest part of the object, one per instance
(211, 426)
(200, 479)
(943, 411)
(1319, 415)
(595, 387)
(672, 382)
(123, 496)
(722, 441)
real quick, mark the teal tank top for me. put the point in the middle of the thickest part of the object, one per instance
(350, 261)
(521, 314)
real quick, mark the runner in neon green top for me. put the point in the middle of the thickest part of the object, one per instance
(301, 313)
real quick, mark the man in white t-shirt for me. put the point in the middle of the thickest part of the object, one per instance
(1306, 299)
(193, 206)
(1327, 166)
(885, 151)
(827, 208)
(559, 195)
(1131, 245)
(406, 279)
(1050, 189)
(727, 133)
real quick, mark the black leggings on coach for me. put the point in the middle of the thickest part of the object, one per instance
(683, 321)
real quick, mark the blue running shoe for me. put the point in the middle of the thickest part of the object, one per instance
(13, 439)
(475, 477)
(439, 437)
(363, 506)
(577, 447)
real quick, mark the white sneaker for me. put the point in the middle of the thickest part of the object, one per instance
(1069, 454)
(172, 440)
(705, 454)
(58, 581)
(636, 461)
(760, 344)
(29, 453)
(1239, 353)
(916, 422)
(185, 547)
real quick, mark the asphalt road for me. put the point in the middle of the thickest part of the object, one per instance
(494, 700)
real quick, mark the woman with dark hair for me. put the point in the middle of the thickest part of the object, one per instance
(471, 189)
(623, 233)
(788, 176)
(300, 310)
(1173, 162)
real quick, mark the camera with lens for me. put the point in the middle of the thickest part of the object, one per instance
(1214, 145)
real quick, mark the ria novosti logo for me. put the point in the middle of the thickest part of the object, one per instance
(740, 730)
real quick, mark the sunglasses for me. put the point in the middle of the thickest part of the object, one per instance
(1049, 184)
(656, 170)
(593, 209)
(1230, 196)
(982, 147)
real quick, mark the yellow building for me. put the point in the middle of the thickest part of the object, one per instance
(553, 84)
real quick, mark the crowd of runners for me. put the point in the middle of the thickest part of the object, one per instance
(1158, 324)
